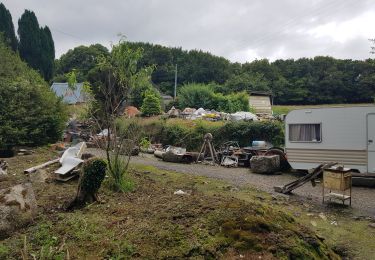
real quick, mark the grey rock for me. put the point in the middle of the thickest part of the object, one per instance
(18, 207)
(265, 164)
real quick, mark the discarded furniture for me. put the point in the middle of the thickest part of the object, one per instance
(338, 182)
(288, 188)
(208, 151)
(70, 159)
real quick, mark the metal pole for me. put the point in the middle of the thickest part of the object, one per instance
(175, 83)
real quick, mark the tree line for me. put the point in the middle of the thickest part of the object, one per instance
(34, 43)
(318, 80)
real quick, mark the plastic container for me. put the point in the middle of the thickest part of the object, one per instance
(259, 144)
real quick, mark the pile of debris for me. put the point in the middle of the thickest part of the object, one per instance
(210, 115)
(3, 167)
(261, 157)
(69, 161)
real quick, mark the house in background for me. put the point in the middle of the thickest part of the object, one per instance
(166, 99)
(68, 95)
(261, 102)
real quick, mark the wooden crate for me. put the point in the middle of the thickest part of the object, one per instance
(337, 181)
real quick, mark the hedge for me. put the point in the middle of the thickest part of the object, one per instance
(190, 134)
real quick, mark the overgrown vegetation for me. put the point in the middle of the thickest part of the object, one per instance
(92, 175)
(200, 95)
(152, 222)
(190, 134)
(31, 114)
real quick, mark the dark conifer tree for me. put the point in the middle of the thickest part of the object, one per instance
(47, 53)
(7, 27)
(29, 35)
(36, 45)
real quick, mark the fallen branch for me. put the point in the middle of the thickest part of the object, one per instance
(41, 166)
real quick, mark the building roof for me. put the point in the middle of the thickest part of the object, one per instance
(260, 93)
(69, 96)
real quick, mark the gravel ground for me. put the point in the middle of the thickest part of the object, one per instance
(363, 199)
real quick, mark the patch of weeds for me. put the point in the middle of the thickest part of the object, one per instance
(4, 251)
(43, 243)
(121, 250)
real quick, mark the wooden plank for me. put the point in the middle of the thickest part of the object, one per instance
(33, 169)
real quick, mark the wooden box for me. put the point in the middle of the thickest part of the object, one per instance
(337, 180)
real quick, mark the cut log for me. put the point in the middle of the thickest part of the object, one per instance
(41, 166)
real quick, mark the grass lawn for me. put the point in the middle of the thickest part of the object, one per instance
(151, 222)
(216, 220)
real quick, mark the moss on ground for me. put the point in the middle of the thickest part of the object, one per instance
(153, 223)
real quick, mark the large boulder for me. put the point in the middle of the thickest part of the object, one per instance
(18, 207)
(265, 164)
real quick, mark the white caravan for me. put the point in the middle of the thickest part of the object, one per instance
(337, 134)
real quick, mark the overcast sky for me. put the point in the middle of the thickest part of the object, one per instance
(239, 30)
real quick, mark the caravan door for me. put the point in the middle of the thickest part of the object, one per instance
(371, 143)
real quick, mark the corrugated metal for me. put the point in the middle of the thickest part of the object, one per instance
(69, 96)
(345, 157)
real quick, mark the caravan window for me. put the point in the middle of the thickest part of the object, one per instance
(305, 133)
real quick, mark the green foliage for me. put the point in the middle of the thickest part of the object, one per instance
(190, 134)
(120, 180)
(144, 143)
(93, 174)
(128, 133)
(151, 104)
(4, 251)
(31, 114)
(81, 59)
(36, 46)
(318, 80)
(196, 96)
(200, 95)
(7, 27)
(47, 53)
(116, 77)
(246, 132)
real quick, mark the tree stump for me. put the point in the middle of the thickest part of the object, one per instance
(92, 176)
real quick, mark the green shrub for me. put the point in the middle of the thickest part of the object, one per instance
(190, 134)
(201, 95)
(31, 114)
(94, 172)
(120, 181)
(151, 104)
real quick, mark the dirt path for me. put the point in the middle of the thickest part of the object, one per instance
(363, 199)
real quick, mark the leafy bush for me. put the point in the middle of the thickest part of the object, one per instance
(31, 114)
(201, 95)
(128, 132)
(94, 172)
(151, 104)
(190, 134)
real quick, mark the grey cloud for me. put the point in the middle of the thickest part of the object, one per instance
(233, 29)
